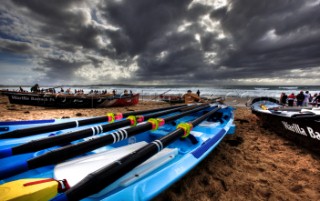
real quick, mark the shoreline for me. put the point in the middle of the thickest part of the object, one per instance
(252, 164)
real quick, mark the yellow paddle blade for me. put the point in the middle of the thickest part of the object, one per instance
(29, 189)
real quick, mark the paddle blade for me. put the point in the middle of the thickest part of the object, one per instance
(29, 189)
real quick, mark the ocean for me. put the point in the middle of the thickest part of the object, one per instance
(152, 92)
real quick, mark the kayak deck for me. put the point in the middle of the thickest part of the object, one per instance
(150, 178)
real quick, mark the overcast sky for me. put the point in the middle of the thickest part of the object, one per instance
(208, 42)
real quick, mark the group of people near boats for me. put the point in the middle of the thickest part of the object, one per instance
(36, 89)
(300, 99)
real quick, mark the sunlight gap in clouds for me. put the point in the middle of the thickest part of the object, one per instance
(108, 71)
(162, 55)
(184, 26)
(270, 36)
(216, 4)
(84, 12)
(313, 3)
(313, 73)
(212, 26)
(219, 3)
(197, 37)
(211, 57)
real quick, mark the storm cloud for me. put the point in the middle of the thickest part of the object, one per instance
(161, 41)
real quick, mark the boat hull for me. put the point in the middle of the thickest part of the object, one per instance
(171, 99)
(71, 101)
(120, 101)
(301, 128)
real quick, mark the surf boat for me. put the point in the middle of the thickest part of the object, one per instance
(173, 99)
(301, 125)
(60, 100)
(136, 162)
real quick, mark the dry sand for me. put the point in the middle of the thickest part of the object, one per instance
(252, 164)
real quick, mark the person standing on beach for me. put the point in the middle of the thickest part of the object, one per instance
(190, 97)
(314, 97)
(198, 92)
(300, 98)
(283, 98)
(307, 98)
(317, 100)
(291, 98)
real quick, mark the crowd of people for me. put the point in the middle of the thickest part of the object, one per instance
(300, 99)
(36, 89)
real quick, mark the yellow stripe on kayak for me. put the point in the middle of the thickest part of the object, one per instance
(29, 189)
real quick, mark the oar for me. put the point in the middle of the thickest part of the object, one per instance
(70, 151)
(161, 94)
(49, 128)
(98, 180)
(36, 145)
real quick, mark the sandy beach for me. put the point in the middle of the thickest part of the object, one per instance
(252, 164)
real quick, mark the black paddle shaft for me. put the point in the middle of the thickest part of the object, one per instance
(47, 142)
(60, 126)
(98, 180)
(70, 151)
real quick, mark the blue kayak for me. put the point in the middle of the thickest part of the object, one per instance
(9, 126)
(136, 162)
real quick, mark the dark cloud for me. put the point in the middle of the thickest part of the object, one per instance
(270, 36)
(142, 21)
(172, 40)
(149, 29)
(16, 47)
(60, 69)
(61, 23)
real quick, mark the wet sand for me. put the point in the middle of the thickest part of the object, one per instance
(252, 164)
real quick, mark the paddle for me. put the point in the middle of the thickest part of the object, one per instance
(49, 128)
(98, 180)
(70, 151)
(51, 141)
